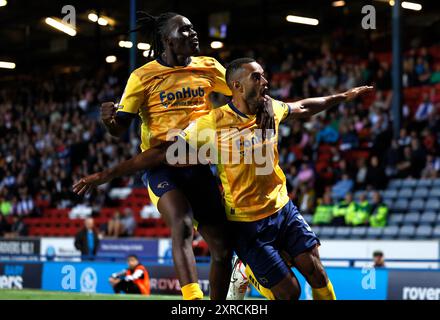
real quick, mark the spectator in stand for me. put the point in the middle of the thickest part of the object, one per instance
(376, 178)
(306, 201)
(122, 224)
(128, 223)
(425, 109)
(306, 174)
(432, 167)
(349, 138)
(324, 211)
(435, 76)
(5, 206)
(114, 225)
(404, 139)
(343, 186)
(358, 216)
(361, 175)
(25, 205)
(404, 167)
(418, 158)
(4, 225)
(87, 240)
(343, 209)
(391, 159)
(18, 228)
(379, 211)
(378, 259)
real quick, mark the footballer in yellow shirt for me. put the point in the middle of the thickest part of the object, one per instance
(269, 234)
(168, 93)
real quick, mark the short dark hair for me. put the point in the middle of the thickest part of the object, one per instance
(377, 253)
(132, 256)
(235, 66)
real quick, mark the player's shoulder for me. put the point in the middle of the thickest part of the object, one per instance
(222, 113)
(204, 61)
(148, 69)
(280, 108)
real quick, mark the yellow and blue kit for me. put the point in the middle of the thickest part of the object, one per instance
(263, 220)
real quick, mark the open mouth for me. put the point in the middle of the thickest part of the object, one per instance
(264, 91)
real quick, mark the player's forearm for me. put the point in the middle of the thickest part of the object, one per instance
(311, 106)
(114, 127)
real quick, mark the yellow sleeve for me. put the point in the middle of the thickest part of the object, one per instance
(220, 80)
(133, 96)
(200, 132)
(281, 109)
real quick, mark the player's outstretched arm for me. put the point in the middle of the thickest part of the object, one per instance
(145, 160)
(308, 107)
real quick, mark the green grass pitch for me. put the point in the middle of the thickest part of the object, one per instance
(56, 295)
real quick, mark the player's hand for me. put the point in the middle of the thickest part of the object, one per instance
(87, 184)
(357, 91)
(266, 117)
(108, 111)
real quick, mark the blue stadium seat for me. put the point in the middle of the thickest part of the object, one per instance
(433, 204)
(411, 218)
(434, 193)
(343, 232)
(436, 183)
(407, 232)
(327, 232)
(388, 202)
(424, 183)
(390, 232)
(421, 193)
(401, 205)
(316, 230)
(389, 194)
(374, 233)
(405, 193)
(358, 232)
(416, 205)
(423, 232)
(428, 218)
(395, 219)
(409, 183)
(395, 184)
(436, 232)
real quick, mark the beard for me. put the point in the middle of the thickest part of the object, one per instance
(254, 104)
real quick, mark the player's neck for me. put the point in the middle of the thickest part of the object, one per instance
(174, 60)
(241, 105)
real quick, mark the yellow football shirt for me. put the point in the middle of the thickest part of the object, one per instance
(171, 97)
(229, 139)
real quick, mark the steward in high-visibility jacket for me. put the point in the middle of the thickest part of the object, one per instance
(359, 216)
(343, 209)
(134, 280)
(379, 211)
(324, 211)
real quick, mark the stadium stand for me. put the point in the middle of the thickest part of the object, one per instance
(53, 134)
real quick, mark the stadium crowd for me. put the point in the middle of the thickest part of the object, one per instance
(50, 135)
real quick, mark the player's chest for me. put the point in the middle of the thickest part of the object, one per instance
(243, 138)
(176, 88)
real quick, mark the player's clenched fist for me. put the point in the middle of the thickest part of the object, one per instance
(108, 111)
